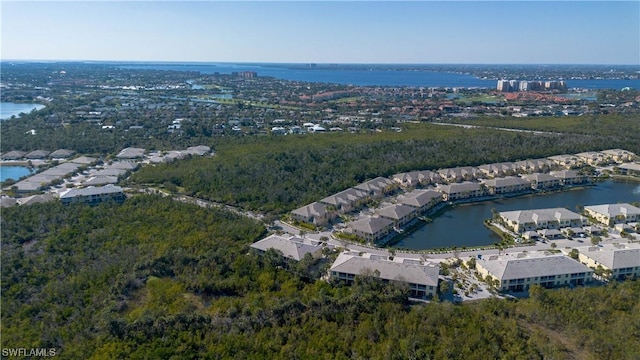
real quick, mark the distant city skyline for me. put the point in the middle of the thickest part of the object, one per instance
(416, 32)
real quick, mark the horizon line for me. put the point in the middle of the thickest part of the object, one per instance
(299, 63)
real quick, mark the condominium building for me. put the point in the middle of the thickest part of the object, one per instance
(93, 195)
(611, 214)
(291, 247)
(517, 272)
(498, 169)
(421, 200)
(506, 185)
(315, 213)
(629, 169)
(593, 158)
(569, 177)
(533, 165)
(459, 191)
(376, 187)
(422, 277)
(399, 214)
(415, 178)
(619, 155)
(540, 219)
(131, 153)
(541, 181)
(623, 260)
(346, 200)
(459, 173)
(566, 161)
(370, 229)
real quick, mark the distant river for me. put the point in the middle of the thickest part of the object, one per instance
(367, 77)
(463, 225)
(372, 77)
(7, 109)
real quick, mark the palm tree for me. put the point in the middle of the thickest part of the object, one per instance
(495, 215)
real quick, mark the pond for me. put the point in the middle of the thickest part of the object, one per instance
(13, 172)
(463, 225)
(7, 109)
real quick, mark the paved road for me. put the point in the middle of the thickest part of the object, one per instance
(279, 225)
(535, 132)
(207, 203)
(203, 203)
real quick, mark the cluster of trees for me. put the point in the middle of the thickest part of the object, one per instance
(81, 98)
(277, 174)
(154, 278)
(63, 267)
(621, 130)
(85, 137)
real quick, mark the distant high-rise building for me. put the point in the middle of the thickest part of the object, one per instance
(535, 85)
(523, 86)
(503, 85)
(245, 74)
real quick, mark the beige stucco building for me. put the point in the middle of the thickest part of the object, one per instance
(623, 260)
(540, 219)
(611, 214)
(518, 272)
(421, 276)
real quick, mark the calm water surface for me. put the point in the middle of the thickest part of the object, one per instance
(368, 77)
(13, 172)
(7, 110)
(463, 225)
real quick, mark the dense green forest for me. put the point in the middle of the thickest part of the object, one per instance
(157, 279)
(625, 128)
(276, 174)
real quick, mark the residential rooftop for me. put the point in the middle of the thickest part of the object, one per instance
(407, 270)
(131, 153)
(91, 190)
(530, 265)
(370, 225)
(538, 215)
(614, 256)
(292, 247)
(614, 210)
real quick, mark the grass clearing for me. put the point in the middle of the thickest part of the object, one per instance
(482, 98)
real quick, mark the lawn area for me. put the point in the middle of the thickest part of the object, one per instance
(254, 104)
(212, 86)
(482, 98)
(348, 99)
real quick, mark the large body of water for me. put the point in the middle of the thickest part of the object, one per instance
(370, 77)
(7, 109)
(463, 225)
(13, 172)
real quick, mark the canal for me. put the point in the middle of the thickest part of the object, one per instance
(462, 225)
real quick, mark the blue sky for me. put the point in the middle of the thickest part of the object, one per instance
(550, 32)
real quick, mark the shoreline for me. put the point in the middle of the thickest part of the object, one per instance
(17, 163)
(629, 178)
